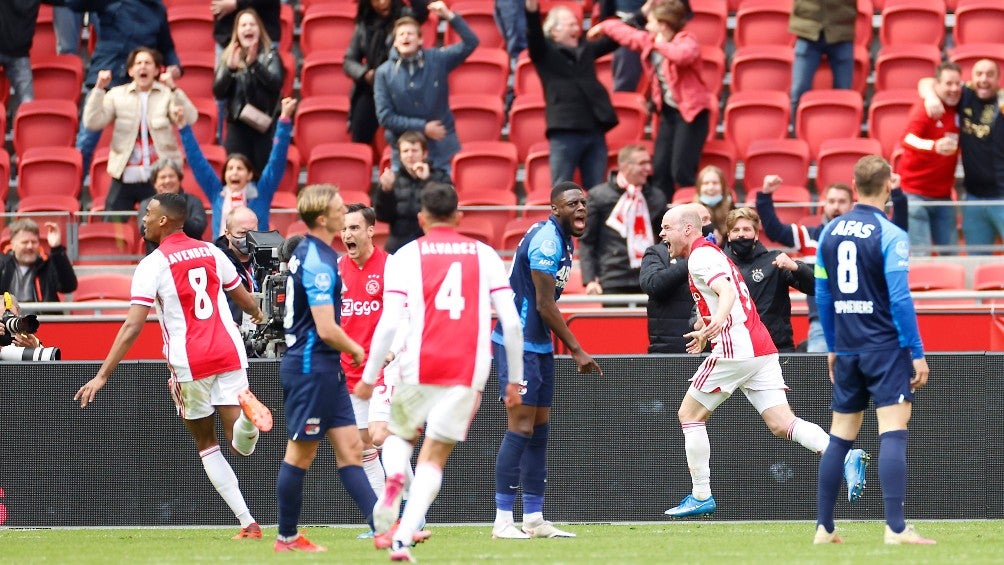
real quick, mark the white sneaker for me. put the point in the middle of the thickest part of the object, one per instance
(507, 530)
(909, 536)
(545, 529)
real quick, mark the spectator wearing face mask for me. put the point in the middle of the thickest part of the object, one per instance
(234, 243)
(768, 274)
(713, 192)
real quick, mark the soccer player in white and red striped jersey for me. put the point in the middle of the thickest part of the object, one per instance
(361, 270)
(449, 283)
(185, 279)
(743, 357)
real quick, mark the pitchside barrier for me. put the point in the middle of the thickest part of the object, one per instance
(616, 450)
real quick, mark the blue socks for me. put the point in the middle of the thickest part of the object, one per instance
(289, 496)
(831, 474)
(507, 469)
(533, 469)
(892, 474)
(354, 480)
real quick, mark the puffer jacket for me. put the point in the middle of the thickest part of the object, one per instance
(400, 206)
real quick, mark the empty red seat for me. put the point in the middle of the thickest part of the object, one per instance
(4, 178)
(791, 202)
(632, 115)
(828, 114)
(967, 55)
(323, 75)
(192, 26)
(494, 206)
(988, 276)
(888, 116)
(937, 276)
(49, 171)
(756, 115)
(527, 123)
(837, 158)
(103, 286)
(762, 67)
(200, 71)
(763, 22)
(326, 27)
(291, 174)
(45, 123)
(913, 21)
(58, 77)
(709, 23)
(480, 17)
(477, 117)
(720, 153)
(901, 66)
(56, 208)
(788, 158)
(205, 127)
(526, 81)
(348, 165)
(486, 166)
(979, 21)
(713, 68)
(481, 229)
(514, 231)
(485, 72)
(106, 243)
(321, 119)
(43, 42)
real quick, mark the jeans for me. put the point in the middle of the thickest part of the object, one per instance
(572, 150)
(807, 57)
(87, 142)
(931, 224)
(982, 224)
(510, 16)
(816, 339)
(626, 69)
(18, 71)
(678, 147)
(67, 23)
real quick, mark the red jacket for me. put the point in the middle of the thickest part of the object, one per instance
(681, 65)
(921, 169)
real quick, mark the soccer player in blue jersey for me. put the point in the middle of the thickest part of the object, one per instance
(875, 348)
(539, 272)
(316, 400)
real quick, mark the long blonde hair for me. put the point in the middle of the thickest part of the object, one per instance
(264, 41)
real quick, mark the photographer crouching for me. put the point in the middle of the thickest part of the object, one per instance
(18, 341)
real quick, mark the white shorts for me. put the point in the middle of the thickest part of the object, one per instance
(446, 412)
(759, 378)
(196, 399)
(361, 408)
(380, 403)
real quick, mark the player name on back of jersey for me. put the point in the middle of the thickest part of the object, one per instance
(189, 254)
(852, 227)
(449, 248)
(853, 306)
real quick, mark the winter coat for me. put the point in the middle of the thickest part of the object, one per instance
(670, 304)
(258, 84)
(400, 206)
(53, 274)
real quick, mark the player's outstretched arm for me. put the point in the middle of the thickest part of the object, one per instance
(128, 333)
(247, 303)
(544, 290)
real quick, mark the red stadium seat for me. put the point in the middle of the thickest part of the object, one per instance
(480, 17)
(57, 77)
(478, 205)
(785, 198)
(291, 174)
(788, 158)
(100, 180)
(53, 171)
(321, 119)
(763, 22)
(486, 166)
(326, 27)
(200, 71)
(722, 154)
(43, 42)
(762, 67)
(348, 165)
(106, 243)
(4, 97)
(217, 157)
(632, 115)
(192, 26)
(967, 55)
(45, 123)
(536, 200)
(756, 115)
(709, 23)
(828, 114)
(888, 116)
(4, 180)
(537, 170)
(901, 66)
(43, 208)
(913, 21)
(837, 158)
(477, 117)
(286, 25)
(514, 231)
(323, 75)
(288, 73)
(937, 276)
(713, 68)
(988, 276)
(205, 127)
(979, 21)
(526, 82)
(481, 229)
(863, 29)
(526, 123)
(103, 286)
(485, 73)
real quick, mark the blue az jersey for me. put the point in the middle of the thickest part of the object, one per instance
(861, 284)
(544, 248)
(313, 281)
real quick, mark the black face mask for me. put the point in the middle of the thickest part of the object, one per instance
(742, 247)
(707, 230)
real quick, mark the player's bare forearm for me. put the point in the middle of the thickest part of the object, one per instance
(127, 335)
(247, 303)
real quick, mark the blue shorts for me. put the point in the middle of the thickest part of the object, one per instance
(314, 403)
(537, 388)
(884, 376)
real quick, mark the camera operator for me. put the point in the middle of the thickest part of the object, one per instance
(234, 244)
(27, 272)
(10, 307)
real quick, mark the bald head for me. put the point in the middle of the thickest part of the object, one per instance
(681, 226)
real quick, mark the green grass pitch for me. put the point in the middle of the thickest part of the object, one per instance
(696, 542)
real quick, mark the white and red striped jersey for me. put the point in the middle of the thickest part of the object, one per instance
(185, 280)
(448, 281)
(362, 304)
(743, 335)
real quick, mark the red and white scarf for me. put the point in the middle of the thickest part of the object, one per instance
(630, 218)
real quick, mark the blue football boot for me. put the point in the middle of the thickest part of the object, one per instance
(690, 506)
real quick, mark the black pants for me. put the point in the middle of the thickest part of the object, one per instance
(242, 138)
(678, 149)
